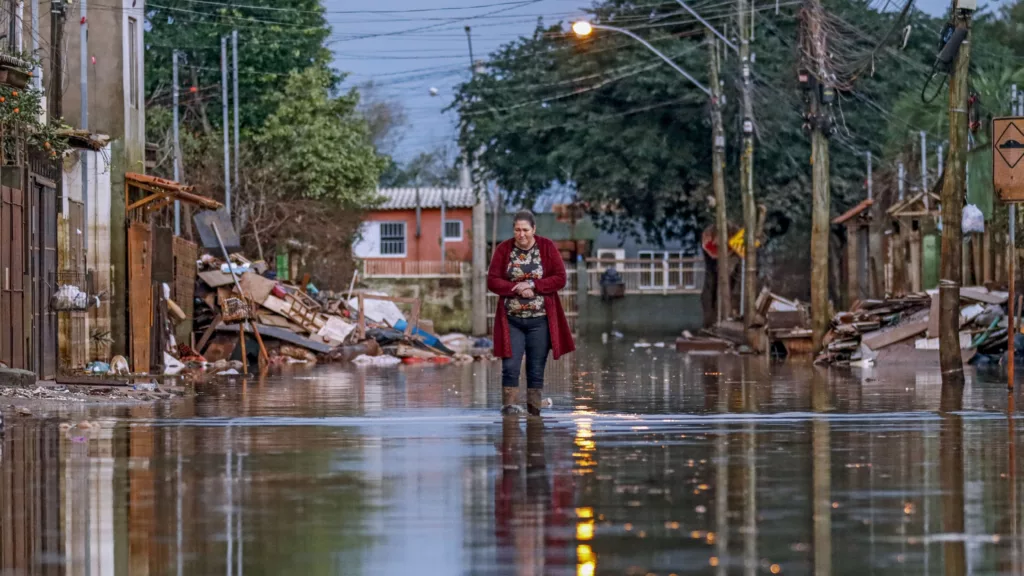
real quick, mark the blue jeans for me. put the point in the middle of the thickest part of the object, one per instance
(528, 336)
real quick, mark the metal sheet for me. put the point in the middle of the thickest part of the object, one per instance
(208, 238)
(140, 294)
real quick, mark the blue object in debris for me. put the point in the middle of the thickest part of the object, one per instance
(428, 338)
(97, 367)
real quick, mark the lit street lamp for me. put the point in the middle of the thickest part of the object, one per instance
(583, 29)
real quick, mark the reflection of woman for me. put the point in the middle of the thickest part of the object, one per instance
(526, 273)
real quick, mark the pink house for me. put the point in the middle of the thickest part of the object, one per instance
(405, 234)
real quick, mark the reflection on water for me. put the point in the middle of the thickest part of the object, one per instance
(650, 462)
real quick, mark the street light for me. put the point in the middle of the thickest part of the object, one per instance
(582, 28)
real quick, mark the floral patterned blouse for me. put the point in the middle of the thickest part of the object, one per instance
(525, 266)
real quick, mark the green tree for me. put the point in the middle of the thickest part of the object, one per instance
(632, 136)
(272, 44)
(433, 168)
(317, 143)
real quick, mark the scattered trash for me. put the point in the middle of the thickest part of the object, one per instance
(383, 360)
(145, 386)
(97, 367)
(172, 366)
(973, 220)
(231, 372)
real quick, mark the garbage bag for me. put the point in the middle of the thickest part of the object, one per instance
(973, 220)
(68, 298)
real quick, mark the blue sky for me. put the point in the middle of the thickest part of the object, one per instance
(408, 60)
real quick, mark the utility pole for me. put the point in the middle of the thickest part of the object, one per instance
(224, 107)
(900, 176)
(924, 168)
(84, 87)
(869, 183)
(940, 158)
(718, 180)
(747, 173)
(177, 142)
(953, 186)
(821, 96)
(479, 295)
(234, 97)
(37, 72)
(1011, 265)
(56, 91)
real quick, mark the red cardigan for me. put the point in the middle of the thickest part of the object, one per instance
(548, 287)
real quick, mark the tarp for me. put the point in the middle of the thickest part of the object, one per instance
(979, 179)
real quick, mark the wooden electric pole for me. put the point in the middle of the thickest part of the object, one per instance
(821, 95)
(718, 180)
(747, 171)
(954, 185)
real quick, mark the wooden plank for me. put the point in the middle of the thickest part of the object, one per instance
(209, 332)
(933, 318)
(277, 305)
(882, 338)
(140, 294)
(281, 334)
(163, 255)
(278, 322)
(983, 295)
(216, 278)
(255, 286)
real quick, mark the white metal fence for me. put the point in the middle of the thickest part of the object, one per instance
(412, 269)
(646, 276)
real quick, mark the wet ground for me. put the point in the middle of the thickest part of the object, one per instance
(650, 462)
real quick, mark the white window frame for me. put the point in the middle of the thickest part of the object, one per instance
(383, 239)
(660, 274)
(444, 230)
(618, 254)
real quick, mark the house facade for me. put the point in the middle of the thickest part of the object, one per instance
(418, 231)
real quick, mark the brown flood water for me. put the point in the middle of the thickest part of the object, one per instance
(650, 462)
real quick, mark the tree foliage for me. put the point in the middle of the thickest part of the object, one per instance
(608, 118)
(272, 44)
(318, 144)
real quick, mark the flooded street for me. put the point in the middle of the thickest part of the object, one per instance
(650, 462)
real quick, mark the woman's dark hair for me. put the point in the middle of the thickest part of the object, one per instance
(525, 216)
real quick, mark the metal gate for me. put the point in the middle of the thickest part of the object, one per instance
(43, 274)
(13, 325)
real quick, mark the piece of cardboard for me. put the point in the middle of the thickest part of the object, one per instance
(255, 286)
(216, 278)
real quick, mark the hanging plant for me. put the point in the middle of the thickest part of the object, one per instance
(21, 113)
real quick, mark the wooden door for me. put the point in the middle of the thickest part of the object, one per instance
(44, 273)
(140, 294)
(13, 325)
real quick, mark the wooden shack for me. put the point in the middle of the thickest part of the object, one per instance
(914, 243)
(855, 268)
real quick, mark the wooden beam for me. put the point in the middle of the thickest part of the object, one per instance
(209, 332)
(143, 202)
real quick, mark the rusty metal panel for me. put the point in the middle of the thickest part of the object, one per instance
(140, 294)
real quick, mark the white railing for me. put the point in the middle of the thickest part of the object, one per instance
(412, 269)
(567, 295)
(645, 276)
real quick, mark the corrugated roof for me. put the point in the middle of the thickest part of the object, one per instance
(405, 198)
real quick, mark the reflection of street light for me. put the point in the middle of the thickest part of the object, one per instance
(582, 28)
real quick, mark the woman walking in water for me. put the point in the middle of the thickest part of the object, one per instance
(526, 273)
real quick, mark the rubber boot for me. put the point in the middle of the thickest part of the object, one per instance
(508, 401)
(533, 401)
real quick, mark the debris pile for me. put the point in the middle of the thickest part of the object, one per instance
(906, 327)
(284, 323)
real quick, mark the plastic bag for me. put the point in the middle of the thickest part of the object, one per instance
(973, 220)
(69, 298)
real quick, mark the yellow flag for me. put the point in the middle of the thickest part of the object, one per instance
(738, 244)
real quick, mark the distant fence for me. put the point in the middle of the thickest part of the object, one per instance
(646, 276)
(412, 269)
(567, 295)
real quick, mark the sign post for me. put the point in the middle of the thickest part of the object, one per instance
(1008, 182)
